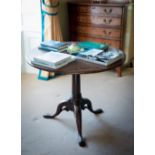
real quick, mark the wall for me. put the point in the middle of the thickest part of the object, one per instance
(30, 32)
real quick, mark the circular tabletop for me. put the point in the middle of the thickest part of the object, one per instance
(76, 67)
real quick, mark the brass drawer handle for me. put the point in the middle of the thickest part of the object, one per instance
(104, 32)
(107, 21)
(110, 20)
(108, 11)
(107, 33)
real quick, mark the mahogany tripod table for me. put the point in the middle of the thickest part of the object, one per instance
(77, 103)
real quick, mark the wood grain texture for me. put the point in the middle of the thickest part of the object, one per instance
(113, 43)
(102, 23)
(81, 67)
(97, 31)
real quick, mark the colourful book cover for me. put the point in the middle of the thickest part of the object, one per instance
(89, 45)
(54, 44)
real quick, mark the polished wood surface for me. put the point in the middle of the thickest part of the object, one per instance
(100, 9)
(111, 42)
(76, 103)
(102, 22)
(81, 67)
(98, 31)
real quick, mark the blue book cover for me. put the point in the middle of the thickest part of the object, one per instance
(90, 45)
(54, 44)
(46, 48)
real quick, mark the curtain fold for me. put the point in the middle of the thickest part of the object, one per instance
(51, 29)
(50, 20)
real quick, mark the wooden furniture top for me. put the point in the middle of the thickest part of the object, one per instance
(80, 66)
(99, 4)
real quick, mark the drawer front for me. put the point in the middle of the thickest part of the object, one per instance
(107, 11)
(99, 20)
(104, 10)
(100, 32)
(112, 43)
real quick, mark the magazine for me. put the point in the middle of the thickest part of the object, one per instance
(102, 57)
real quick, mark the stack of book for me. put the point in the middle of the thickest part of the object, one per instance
(52, 45)
(52, 59)
(100, 56)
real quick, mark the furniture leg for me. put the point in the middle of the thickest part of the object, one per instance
(119, 71)
(76, 98)
(78, 116)
(86, 103)
(67, 105)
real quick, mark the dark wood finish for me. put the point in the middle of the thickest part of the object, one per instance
(96, 20)
(83, 37)
(77, 103)
(98, 31)
(81, 67)
(102, 23)
(105, 10)
(119, 71)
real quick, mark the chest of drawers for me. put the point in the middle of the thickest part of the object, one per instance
(102, 23)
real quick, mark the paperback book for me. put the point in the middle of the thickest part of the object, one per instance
(54, 60)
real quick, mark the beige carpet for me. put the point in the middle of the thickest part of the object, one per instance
(111, 133)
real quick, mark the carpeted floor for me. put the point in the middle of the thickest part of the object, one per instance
(111, 133)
